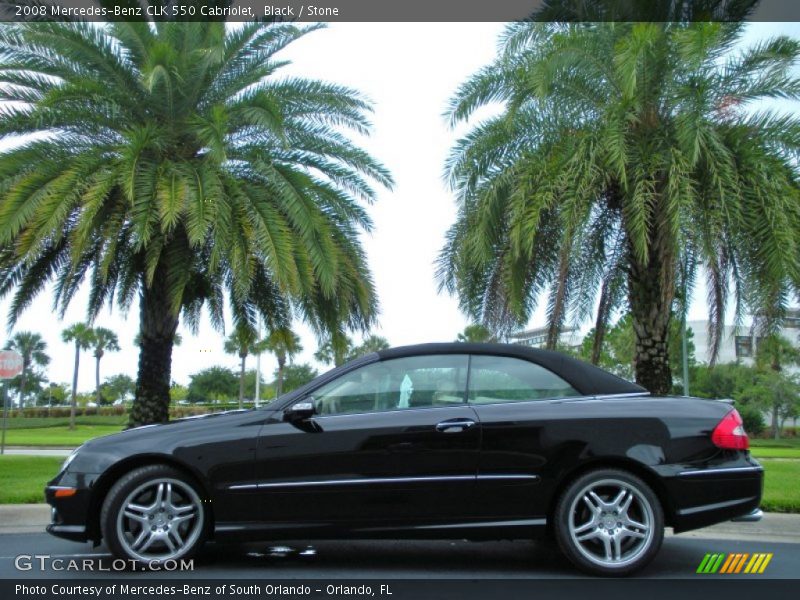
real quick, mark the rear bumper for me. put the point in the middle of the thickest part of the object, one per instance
(713, 495)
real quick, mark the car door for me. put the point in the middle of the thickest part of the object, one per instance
(391, 442)
(517, 402)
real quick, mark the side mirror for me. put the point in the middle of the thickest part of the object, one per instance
(300, 411)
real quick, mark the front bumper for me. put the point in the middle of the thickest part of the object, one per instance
(68, 514)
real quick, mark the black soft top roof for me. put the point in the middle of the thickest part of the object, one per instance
(584, 377)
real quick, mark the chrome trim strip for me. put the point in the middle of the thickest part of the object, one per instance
(509, 477)
(715, 506)
(720, 470)
(378, 480)
(517, 523)
(363, 481)
(243, 486)
(61, 487)
(625, 395)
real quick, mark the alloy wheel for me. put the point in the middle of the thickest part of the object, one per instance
(160, 520)
(611, 523)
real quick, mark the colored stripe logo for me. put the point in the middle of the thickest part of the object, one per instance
(729, 564)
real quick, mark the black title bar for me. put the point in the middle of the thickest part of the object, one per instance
(399, 10)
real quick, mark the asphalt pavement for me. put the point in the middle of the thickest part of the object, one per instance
(330, 560)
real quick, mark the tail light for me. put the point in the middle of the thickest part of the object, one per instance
(730, 434)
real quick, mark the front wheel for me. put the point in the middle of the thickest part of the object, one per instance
(609, 522)
(152, 515)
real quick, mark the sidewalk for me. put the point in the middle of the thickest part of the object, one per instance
(774, 527)
(37, 451)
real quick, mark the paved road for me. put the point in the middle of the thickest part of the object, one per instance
(679, 558)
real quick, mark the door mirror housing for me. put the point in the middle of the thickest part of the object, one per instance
(299, 411)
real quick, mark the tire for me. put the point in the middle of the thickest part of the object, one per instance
(609, 522)
(154, 514)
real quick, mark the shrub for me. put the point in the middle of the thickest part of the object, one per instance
(753, 419)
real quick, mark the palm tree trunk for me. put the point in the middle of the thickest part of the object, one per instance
(281, 364)
(241, 382)
(97, 380)
(601, 323)
(74, 402)
(157, 326)
(651, 292)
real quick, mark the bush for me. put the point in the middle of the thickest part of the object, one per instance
(753, 419)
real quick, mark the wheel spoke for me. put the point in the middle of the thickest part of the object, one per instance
(616, 503)
(617, 547)
(168, 542)
(136, 516)
(173, 531)
(168, 495)
(180, 510)
(590, 524)
(631, 523)
(623, 508)
(141, 538)
(159, 496)
(598, 501)
(607, 547)
(634, 534)
(590, 535)
(177, 520)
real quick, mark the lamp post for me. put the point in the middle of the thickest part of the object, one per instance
(258, 363)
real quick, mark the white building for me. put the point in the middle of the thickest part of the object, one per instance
(741, 344)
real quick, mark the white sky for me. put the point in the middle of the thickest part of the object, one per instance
(409, 71)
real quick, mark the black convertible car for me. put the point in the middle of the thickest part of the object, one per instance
(476, 441)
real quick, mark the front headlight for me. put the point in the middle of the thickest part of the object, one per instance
(69, 459)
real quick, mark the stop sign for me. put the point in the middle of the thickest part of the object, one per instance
(10, 364)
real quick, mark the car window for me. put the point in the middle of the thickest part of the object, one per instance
(414, 382)
(497, 379)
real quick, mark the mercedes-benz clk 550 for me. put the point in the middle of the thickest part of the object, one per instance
(475, 441)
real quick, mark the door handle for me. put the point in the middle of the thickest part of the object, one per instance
(454, 425)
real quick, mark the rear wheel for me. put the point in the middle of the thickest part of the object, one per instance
(152, 515)
(609, 522)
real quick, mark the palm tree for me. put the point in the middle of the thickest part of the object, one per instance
(284, 344)
(83, 337)
(335, 349)
(104, 340)
(370, 344)
(242, 341)
(32, 348)
(626, 158)
(166, 163)
(475, 333)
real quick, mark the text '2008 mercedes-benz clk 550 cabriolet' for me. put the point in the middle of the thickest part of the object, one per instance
(475, 441)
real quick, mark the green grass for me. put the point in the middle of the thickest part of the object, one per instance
(22, 478)
(781, 486)
(58, 436)
(37, 422)
(788, 442)
(782, 448)
(775, 452)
